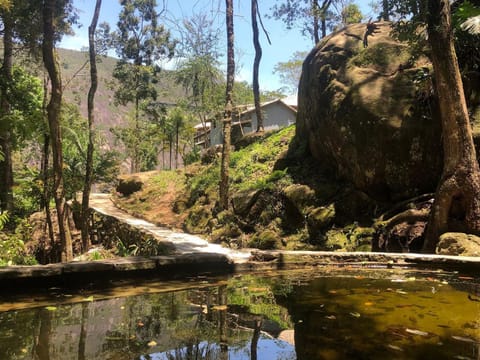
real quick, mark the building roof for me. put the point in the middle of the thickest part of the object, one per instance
(291, 100)
(201, 126)
(251, 108)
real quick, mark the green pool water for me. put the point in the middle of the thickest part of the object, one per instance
(314, 314)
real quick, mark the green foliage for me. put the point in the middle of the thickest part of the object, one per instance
(266, 240)
(27, 192)
(139, 37)
(461, 16)
(205, 182)
(12, 252)
(141, 142)
(192, 156)
(140, 42)
(290, 71)
(351, 14)
(252, 167)
(5, 4)
(465, 25)
(258, 296)
(12, 247)
(75, 142)
(25, 96)
(147, 247)
(4, 218)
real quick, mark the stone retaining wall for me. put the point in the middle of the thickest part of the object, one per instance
(113, 233)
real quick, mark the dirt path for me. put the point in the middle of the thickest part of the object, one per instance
(183, 243)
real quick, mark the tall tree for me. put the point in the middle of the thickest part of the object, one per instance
(85, 213)
(140, 41)
(256, 65)
(50, 36)
(198, 71)
(6, 169)
(227, 117)
(386, 10)
(310, 15)
(457, 199)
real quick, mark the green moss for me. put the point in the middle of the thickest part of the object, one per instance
(335, 240)
(381, 56)
(266, 240)
(197, 219)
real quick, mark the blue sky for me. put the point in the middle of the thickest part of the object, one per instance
(284, 42)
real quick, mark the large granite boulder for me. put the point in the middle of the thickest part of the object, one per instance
(368, 114)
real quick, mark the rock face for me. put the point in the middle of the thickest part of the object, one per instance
(458, 244)
(368, 114)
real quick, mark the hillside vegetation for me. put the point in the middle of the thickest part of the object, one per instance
(278, 200)
(76, 78)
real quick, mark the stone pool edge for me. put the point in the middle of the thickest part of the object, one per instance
(215, 263)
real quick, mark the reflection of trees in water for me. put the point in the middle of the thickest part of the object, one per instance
(42, 345)
(197, 323)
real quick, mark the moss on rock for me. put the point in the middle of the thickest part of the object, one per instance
(266, 240)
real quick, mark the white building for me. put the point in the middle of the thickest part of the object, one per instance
(277, 114)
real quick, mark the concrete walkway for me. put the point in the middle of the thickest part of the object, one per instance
(183, 243)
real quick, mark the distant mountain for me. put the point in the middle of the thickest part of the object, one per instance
(76, 80)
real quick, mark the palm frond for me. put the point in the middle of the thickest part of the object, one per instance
(472, 25)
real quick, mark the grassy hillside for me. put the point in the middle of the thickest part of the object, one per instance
(278, 200)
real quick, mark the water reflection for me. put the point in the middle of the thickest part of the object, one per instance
(368, 315)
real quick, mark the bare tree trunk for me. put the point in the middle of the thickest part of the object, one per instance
(135, 160)
(6, 169)
(256, 65)
(46, 180)
(85, 213)
(170, 144)
(53, 111)
(227, 117)
(457, 200)
(321, 14)
(46, 202)
(315, 11)
(256, 336)
(222, 320)
(177, 131)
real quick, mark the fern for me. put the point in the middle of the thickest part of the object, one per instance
(3, 219)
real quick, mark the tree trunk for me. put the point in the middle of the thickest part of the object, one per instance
(316, 27)
(227, 117)
(85, 213)
(256, 65)
(46, 195)
(135, 166)
(46, 203)
(457, 200)
(322, 15)
(6, 169)
(257, 326)
(177, 140)
(53, 112)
